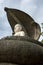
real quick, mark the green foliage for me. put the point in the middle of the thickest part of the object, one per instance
(42, 28)
(42, 25)
(42, 33)
(42, 41)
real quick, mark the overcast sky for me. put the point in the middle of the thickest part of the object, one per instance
(32, 7)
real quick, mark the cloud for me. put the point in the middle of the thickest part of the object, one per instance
(29, 6)
(26, 1)
(1, 1)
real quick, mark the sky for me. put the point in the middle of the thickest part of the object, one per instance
(32, 7)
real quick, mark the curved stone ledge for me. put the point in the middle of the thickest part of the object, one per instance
(20, 51)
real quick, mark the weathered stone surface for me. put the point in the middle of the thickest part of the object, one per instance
(18, 51)
(7, 64)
